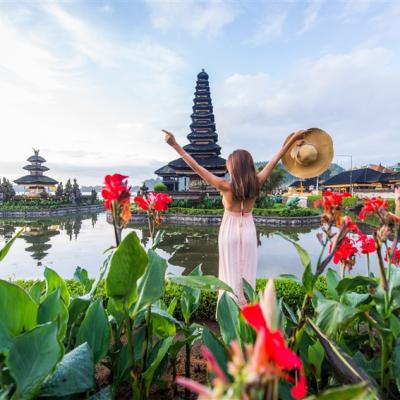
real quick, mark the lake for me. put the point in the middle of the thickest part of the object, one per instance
(63, 243)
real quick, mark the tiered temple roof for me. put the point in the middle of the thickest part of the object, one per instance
(36, 180)
(203, 137)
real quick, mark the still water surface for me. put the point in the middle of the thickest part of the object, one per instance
(63, 243)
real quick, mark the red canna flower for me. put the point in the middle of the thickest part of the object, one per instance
(368, 244)
(153, 201)
(372, 206)
(115, 188)
(350, 224)
(332, 204)
(345, 254)
(271, 354)
(393, 255)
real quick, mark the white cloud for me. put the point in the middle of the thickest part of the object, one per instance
(353, 96)
(310, 15)
(195, 17)
(270, 29)
(107, 9)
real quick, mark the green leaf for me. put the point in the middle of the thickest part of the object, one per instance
(349, 284)
(53, 309)
(344, 367)
(104, 394)
(394, 325)
(148, 375)
(158, 239)
(74, 374)
(165, 314)
(332, 280)
(151, 284)
(205, 282)
(304, 256)
(95, 330)
(54, 281)
(190, 298)
(316, 357)
(32, 357)
(81, 275)
(349, 392)
(249, 292)
(396, 366)
(36, 291)
(217, 348)
(228, 317)
(355, 299)
(77, 306)
(18, 312)
(331, 314)
(127, 265)
(308, 280)
(6, 248)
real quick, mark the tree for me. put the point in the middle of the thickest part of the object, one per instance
(68, 191)
(76, 193)
(59, 191)
(7, 191)
(93, 196)
(160, 187)
(274, 181)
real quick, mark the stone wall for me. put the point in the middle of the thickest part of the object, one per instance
(183, 219)
(52, 212)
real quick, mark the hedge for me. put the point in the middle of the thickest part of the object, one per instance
(277, 212)
(287, 289)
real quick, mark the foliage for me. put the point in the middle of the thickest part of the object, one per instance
(7, 191)
(274, 180)
(160, 187)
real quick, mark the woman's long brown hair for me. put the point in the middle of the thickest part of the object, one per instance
(243, 175)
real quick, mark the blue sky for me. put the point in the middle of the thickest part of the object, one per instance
(91, 83)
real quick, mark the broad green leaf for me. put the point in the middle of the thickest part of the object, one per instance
(104, 394)
(348, 392)
(77, 306)
(394, 325)
(81, 275)
(349, 284)
(127, 265)
(151, 285)
(190, 298)
(161, 326)
(216, 347)
(304, 256)
(6, 248)
(396, 366)
(54, 281)
(36, 291)
(308, 280)
(228, 317)
(331, 314)
(344, 367)
(74, 374)
(148, 375)
(53, 309)
(32, 358)
(332, 280)
(18, 312)
(100, 276)
(316, 357)
(249, 292)
(165, 314)
(205, 282)
(158, 239)
(122, 365)
(95, 330)
(355, 299)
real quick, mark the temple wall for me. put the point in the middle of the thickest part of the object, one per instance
(52, 212)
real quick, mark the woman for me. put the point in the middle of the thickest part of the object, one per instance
(237, 240)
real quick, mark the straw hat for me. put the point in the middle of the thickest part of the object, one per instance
(311, 156)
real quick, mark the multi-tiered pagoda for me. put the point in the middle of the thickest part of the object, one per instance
(36, 182)
(203, 142)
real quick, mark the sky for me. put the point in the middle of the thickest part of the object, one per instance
(92, 83)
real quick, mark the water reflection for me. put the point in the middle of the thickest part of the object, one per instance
(64, 243)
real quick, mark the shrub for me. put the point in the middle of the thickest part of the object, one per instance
(349, 202)
(160, 187)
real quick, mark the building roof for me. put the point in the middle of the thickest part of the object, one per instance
(166, 170)
(206, 162)
(31, 167)
(305, 183)
(36, 158)
(35, 180)
(355, 176)
(203, 148)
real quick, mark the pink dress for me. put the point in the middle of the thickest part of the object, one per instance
(237, 246)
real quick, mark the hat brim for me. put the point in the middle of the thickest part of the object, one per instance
(324, 145)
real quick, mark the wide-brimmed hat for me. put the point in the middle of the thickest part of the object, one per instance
(311, 156)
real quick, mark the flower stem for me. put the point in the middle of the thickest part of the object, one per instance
(368, 265)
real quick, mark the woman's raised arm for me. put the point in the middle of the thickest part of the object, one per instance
(266, 171)
(211, 179)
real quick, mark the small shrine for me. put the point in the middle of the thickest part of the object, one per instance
(203, 145)
(35, 182)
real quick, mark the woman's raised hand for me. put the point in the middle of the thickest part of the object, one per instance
(169, 138)
(299, 135)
